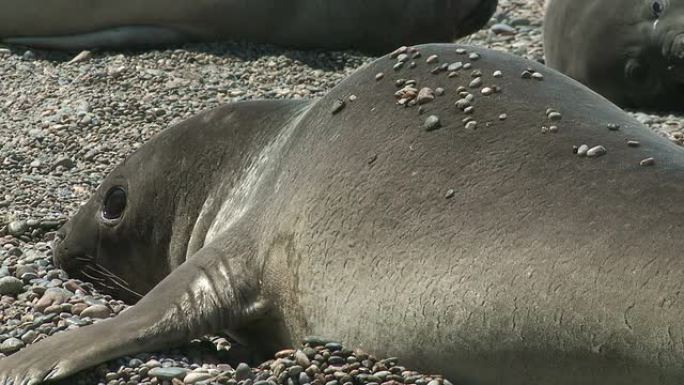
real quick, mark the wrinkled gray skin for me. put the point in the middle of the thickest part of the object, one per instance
(374, 26)
(277, 219)
(623, 49)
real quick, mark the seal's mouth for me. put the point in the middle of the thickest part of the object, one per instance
(84, 267)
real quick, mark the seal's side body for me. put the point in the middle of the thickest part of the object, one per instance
(632, 52)
(492, 255)
(372, 26)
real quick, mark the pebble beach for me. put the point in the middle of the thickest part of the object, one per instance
(67, 119)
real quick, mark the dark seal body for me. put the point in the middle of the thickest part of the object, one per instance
(493, 255)
(632, 51)
(372, 26)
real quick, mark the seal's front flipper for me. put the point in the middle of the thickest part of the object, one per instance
(216, 289)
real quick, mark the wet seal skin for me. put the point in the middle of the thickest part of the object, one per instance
(372, 26)
(631, 51)
(470, 212)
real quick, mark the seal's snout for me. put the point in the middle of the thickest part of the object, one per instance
(60, 249)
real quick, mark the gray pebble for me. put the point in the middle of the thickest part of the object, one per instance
(503, 29)
(96, 311)
(432, 123)
(647, 162)
(596, 151)
(338, 105)
(582, 150)
(555, 116)
(471, 125)
(11, 286)
(477, 82)
(17, 228)
(243, 372)
(11, 345)
(168, 373)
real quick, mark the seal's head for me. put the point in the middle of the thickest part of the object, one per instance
(119, 239)
(631, 52)
(654, 67)
(135, 229)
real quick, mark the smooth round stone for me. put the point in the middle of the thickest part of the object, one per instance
(11, 286)
(17, 228)
(431, 123)
(194, 377)
(243, 372)
(596, 151)
(302, 359)
(29, 336)
(168, 373)
(96, 311)
(503, 29)
(647, 162)
(582, 150)
(294, 370)
(304, 378)
(11, 345)
(554, 116)
(475, 83)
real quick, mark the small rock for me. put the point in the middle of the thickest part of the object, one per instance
(379, 76)
(432, 59)
(401, 50)
(477, 82)
(96, 311)
(596, 151)
(432, 123)
(168, 373)
(243, 372)
(497, 74)
(11, 345)
(425, 95)
(17, 228)
(647, 162)
(582, 150)
(194, 377)
(503, 29)
(633, 143)
(471, 125)
(338, 106)
(11, 286)
(554, 116)
(82, 56)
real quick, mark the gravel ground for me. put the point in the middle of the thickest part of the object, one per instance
(64, 124)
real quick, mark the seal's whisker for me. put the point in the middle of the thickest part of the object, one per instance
(96, 279)
(113, 279)
(108, 273)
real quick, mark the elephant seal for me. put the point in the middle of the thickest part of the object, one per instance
(372, 26)
(466, 239)
(634, 56)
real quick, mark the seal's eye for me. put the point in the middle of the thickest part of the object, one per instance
(657, 7)
(114, 203)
